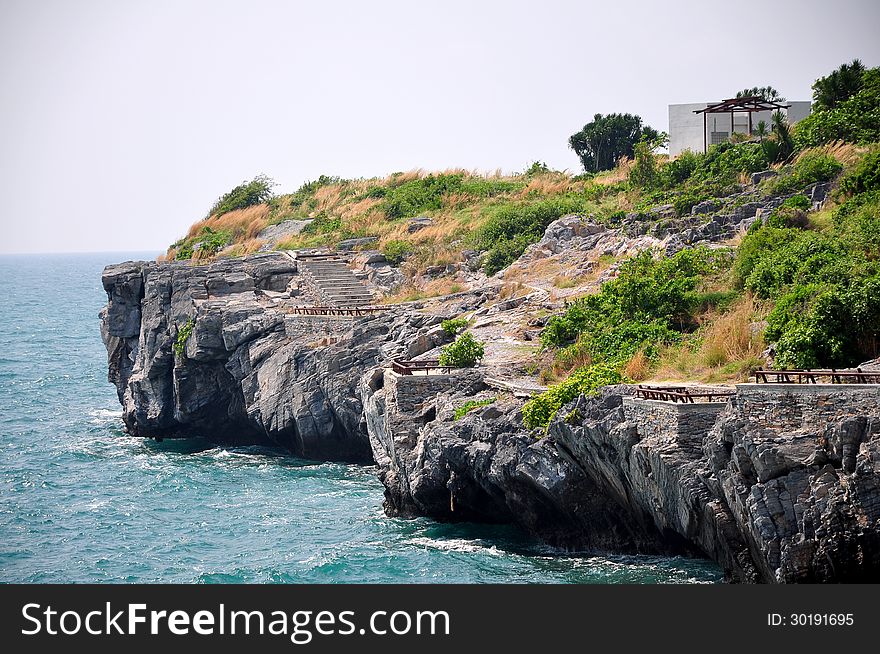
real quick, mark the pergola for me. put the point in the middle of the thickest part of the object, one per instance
(749, 104)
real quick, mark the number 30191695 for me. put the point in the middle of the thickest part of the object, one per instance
(810, 619)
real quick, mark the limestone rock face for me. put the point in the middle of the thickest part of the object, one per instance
(248, 372)
(796, 501)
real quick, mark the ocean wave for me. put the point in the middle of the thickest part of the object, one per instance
(454, 545)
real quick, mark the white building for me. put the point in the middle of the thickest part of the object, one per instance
(687, 131)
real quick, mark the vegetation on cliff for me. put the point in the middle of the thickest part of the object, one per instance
(801, 279)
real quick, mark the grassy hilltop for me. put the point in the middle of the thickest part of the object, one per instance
(806, 281)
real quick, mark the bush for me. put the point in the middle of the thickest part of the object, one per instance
(649, 304)
(864, 176)
(470, 405)
(246, 194)
(465, 352)
(396, 251)
(183, 334)
(513, 227)
(855, 120)
(678, 170)
(419, 195)
(454, 325)
(811, 166)
(539, 411)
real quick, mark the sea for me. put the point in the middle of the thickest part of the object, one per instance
(83, 502)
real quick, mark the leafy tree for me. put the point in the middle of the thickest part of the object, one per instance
(855, 120)
(246, 194)
(604, 140)
(768, 93)
(840, 85)
(465, 352)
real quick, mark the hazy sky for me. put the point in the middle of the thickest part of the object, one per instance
(122, 121)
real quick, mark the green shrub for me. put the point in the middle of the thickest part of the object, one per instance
(537, 168)
(798, 201)
(649, 304)
(396, 251)
(857, 221)
(419, 195)
(506, 234)
(211, 241)
(183, 251)
(864, 176)
(811, 167)
(470, 405)
(855, 120)
(678, 170)
(246, 194)
(465, 352)
(183, 334)
(539, 411)
(323, 224)
(454, 325)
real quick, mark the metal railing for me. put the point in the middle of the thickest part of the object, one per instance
(681, 394)
(808, 376)
(404, 367)
(336, 311)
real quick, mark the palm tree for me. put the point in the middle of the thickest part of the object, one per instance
(761, 130)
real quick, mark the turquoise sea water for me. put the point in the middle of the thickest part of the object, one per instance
(80, 501)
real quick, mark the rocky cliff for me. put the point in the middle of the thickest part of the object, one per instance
(244, 370)
(780, 485)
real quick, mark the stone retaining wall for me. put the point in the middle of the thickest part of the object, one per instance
(307, 327)
(411, 400)
(686, 424)
(791, 406)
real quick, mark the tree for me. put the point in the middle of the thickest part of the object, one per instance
(766, 93)
(761, 130)
(606, 139)
(838, 86)
(644, 172)
(784, 140)
(246, 194)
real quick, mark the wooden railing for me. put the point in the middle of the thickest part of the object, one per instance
(807, 376)
(336, 311)
(404, 367)
(681, 394)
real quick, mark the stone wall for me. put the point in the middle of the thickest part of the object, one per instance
(788, 407)
(309, 328)
(411, 400)
(684, 424)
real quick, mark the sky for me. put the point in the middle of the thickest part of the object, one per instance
(121, 121)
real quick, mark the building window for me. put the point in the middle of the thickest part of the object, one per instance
(718, 137)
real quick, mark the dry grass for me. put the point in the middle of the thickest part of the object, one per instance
(620, 173)
(564, 361)
(435, 288)
(638, 368)
(729, 348)
(845, 153)
(547, 184)
(241, 223)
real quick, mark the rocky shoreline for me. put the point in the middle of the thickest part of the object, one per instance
(779, 485)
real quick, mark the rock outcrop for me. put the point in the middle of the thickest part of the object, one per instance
(781, 485)
(248, 371)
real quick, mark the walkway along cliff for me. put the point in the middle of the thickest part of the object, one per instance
(780, 484)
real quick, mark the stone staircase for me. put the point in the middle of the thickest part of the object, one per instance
(333, 282)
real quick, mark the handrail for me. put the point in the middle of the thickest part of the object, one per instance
(681, 394)
(812, 376)
(405, 367)
(336, 311)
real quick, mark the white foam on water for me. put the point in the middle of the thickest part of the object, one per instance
(454, 545)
